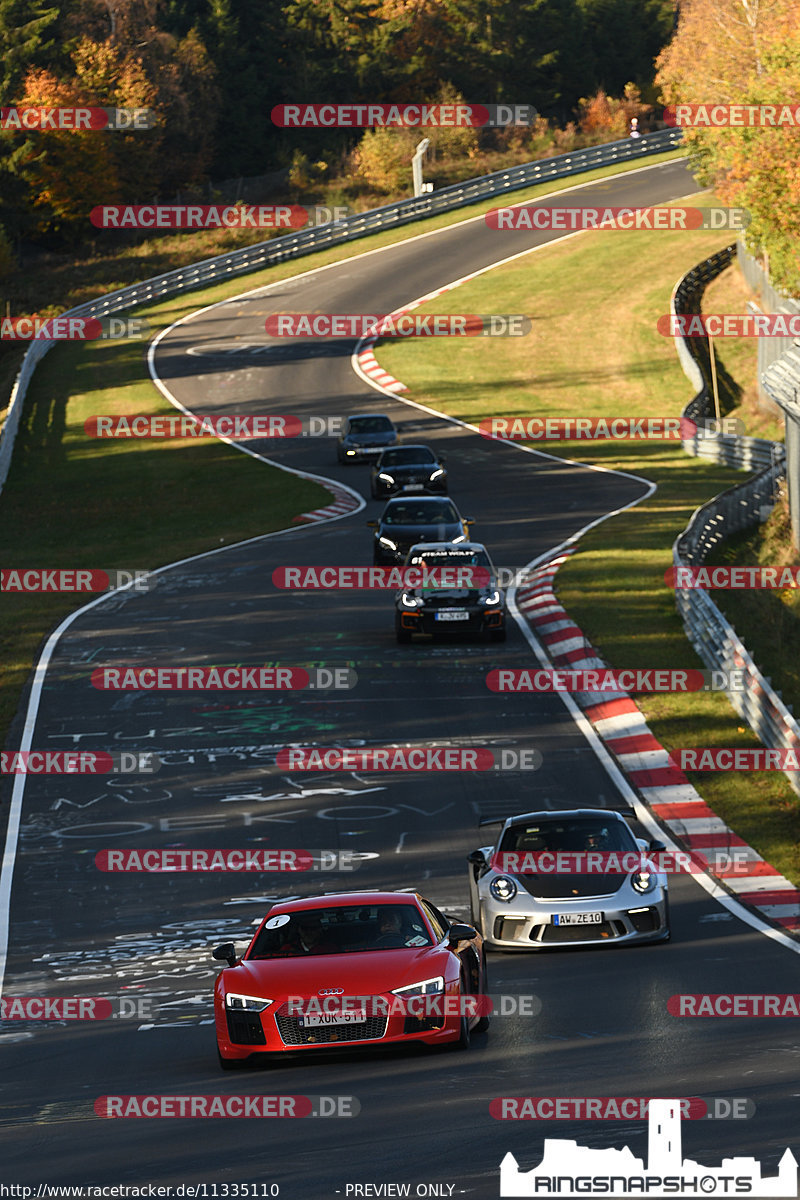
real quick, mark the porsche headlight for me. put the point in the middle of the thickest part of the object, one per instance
(411, 601)
(388, 543)
(643, 881)
(428, 987)
(503, 888)
(386, 478)
(248, 1003)
(437, 473)
(491, 599)
(462, 537)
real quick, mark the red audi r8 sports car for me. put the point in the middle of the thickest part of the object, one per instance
(356, 968)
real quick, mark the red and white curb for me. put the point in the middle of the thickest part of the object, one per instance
(663, 787)
(343, 502)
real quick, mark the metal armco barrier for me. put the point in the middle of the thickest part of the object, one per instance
(714, 639)
(294, 245)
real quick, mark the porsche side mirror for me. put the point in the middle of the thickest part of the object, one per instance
(476, 858)
(656, 845)
(225, 953)
(461, 933)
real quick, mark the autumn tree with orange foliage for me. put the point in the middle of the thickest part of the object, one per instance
(744, 52)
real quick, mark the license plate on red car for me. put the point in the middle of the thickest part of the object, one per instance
(587, 918)
(350, 1016)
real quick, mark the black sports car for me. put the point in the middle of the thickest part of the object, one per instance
(479, 608)
(408, 469)
(404, 522)
(365, 437)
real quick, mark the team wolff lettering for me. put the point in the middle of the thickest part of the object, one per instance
(530, 216)
(77, 762)
(199, 216)
(396, 325)
(719, 116)
(57, 579)
(241, 428)
(51, 119)
(370, 578)
(732, 578)
(733, 325)
(407, 758)
(409, 116)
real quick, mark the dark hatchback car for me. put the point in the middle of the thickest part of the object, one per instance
(408, 469)
(404, 522)
(364, 437)
(478, 609)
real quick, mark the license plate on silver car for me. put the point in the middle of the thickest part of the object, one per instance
(452, 616)
(587, 918)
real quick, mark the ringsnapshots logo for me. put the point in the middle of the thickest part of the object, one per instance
(667, 217)
(601, 429)
(223, 679)
(408, 758)
(570, 1170)
(396, 325)
(73, 579)
(733, 116)
(77, 120)
(194, 1107)
(402, 116)
(72, 329)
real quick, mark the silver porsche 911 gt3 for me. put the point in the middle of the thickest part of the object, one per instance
(573, 878)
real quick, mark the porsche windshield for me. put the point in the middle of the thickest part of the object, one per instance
(369, 425)
(347, 930)
(575, 835)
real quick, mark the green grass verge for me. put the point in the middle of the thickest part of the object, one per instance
(72, 502)
(594, 351)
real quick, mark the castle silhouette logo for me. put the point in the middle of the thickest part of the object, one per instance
(568, 1169)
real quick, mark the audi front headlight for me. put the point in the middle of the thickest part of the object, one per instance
(239, 1002)
(428, 987)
